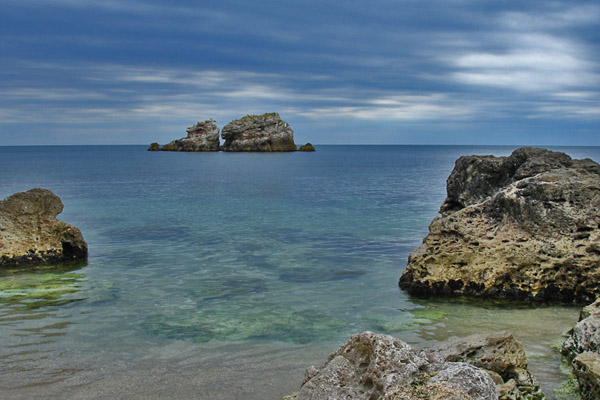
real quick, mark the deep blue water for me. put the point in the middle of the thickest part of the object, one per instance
(296, 250)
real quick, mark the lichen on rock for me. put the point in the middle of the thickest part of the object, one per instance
(525, 226)
(259, 133)
(30, 232)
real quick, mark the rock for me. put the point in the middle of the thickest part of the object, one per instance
(585, 335)
(500, 354)
(306, 147)
(154, 147)
(525, 226)
(265, 132)
(586, 367)
(30, 233)
(202, 136)
(589, 310)
(372, 366)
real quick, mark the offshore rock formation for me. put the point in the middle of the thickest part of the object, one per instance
(371, 366)
(306, 147)
(525, 226)
(30, 233)
(265, 132)
(582, 348)
(202, 136)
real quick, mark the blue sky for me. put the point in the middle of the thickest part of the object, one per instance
(357, 72)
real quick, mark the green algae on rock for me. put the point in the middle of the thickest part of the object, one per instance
(524, 226)
(33, 287)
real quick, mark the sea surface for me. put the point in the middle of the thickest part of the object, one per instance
(225, 275)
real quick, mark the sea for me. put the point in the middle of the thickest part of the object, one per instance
(226, 275)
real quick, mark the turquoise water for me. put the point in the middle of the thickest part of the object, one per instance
(234, 260)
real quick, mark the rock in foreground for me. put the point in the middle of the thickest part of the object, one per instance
(30, 232)
(525, 226)
(372, 366)
(202, 136)
(259, 133)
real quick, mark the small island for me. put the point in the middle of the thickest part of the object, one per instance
(252, 133)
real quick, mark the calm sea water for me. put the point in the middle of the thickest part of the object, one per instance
(224, 275)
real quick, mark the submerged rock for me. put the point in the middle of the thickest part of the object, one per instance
(525, 226)
(30, 232)
(202, 136)
(260, 133)
(371, 366)
(306, 147)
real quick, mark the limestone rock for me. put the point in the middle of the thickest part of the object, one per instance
(372, 366)
(260, 133)
(587, 370)
(525, 226)
(500, 354)
(306, 147)
(154, 147)
(30, 232)
(202, 136)
(585, 336)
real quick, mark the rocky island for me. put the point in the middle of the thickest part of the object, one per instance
(30, 232)
(252, 133)
(525, 226)
(202, 136)
(265, 132)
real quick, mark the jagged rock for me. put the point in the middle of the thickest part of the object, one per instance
(154, 147)
(371, 366)
(589, 310)
(202, 136)
(30, 232)
(525, 226)
(306, 147)
(498, 353)
(586, 367)
(585, 335)
(265, 132)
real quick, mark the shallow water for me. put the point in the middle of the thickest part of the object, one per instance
(223, 275)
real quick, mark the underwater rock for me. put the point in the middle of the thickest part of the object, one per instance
(30, 232)
(259, 133)
(524, 226)
(501, 355)
(373, 366)
(202, 136)
(306, 147)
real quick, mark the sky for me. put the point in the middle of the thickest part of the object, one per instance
(339, 72)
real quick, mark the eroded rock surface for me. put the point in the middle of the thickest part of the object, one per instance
(501, 355)
(202, 136)
(259, 133)
(525, 226)
(30, 232)
(371, 366)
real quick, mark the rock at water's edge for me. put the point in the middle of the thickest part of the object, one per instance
(260, 133)
(306, 147)
(154, 147)
(372, 366)
(202, 136)
(30, 232)
(525, 226)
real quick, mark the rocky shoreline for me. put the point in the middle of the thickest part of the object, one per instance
(252, 133)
